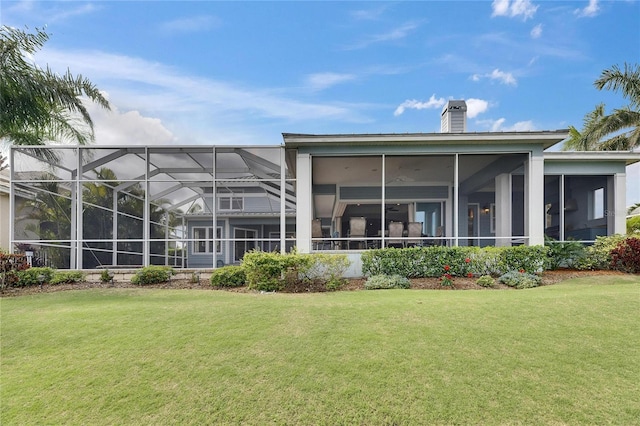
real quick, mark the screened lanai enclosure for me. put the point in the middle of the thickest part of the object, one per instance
(87, 207)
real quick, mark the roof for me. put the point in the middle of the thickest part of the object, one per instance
(629, 157)
(546, 138)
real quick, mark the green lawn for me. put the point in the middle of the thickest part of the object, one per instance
(562, 354)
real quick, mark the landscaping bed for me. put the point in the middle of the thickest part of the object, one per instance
(352, 284)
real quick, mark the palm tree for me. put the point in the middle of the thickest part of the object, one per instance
(619, 130)
(37, 105)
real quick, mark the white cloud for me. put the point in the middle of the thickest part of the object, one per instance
(321, 81)
(154, 88)
(369, 14)
(501, 76)
(415, 104)
(128, 128)
(476, 106)
(190, 24)
(536, 32)
(498, 125)
(590, 10)
(523, 8)
(393, 35)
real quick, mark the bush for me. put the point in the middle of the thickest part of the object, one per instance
(67, 277)
(271, 271)
(486, 281)
(34, 276)
(152, 275)
(633, 226)
(626, 256)
(327, 269)
(106, 276)
(419, 262)
(519, 279)
(228, 276)
(10, 265)
(567, 254)
(598, 255)
(378, 282)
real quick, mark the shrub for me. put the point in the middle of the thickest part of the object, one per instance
(10, 265)
(34, 276)
(106, 276)
(633, 226)
(626, 256)
(418, 262)
(327, 269)
(228, 276)
(520, 279)
(566, 254)
(378, 282)
(598, 255)
(270, 271)
(486, 281)
(152, 275)
(67, 277)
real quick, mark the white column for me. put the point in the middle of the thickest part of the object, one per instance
(283, 203)
(503, 209)
(616, 204)
(304, 213)
(534, 199)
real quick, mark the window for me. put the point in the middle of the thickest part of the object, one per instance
(202, 235)
(598, 203)
(231, 203)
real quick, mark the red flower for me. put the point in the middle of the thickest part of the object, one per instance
(467, 260)
(522, 271)
(470, 275)
(447, 267)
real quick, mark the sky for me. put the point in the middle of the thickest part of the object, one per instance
(214, 72)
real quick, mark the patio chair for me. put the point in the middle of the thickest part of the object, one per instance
(414, 234)
(395, 234)
(316, 232)
(440, 234)
(358, 229)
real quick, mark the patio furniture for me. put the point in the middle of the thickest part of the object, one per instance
(395, 234)
(358, 232)
(414, 234)
(316, 233)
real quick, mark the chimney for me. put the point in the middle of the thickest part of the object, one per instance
(454, 117)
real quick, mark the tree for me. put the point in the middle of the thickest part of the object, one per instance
(619, 130)
(38, 105)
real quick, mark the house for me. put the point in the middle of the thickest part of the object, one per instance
(205, 206)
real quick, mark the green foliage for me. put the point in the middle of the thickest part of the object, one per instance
(271, 271)
(383, 282)
(633, 225)
(34, 276)
(626, 256)
(152, 275)
(419, 262)
(37, 104)
(228, 276)
(328, 269)
(598, 255)
(10, 265)
(565, 254)
(67, 277)
(106, 276)
(519, 279)
(486, 281)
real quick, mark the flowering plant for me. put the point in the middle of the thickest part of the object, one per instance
(447, 278)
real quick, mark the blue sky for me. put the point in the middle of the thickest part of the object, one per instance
(210, 72)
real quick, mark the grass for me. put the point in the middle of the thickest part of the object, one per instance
(562, 354)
